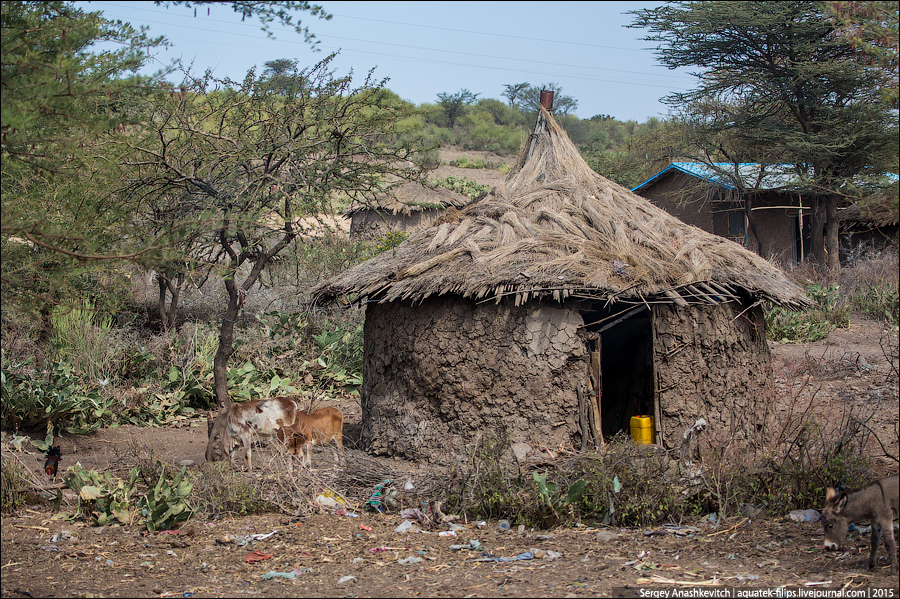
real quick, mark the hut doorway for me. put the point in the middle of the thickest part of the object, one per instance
(622, 340)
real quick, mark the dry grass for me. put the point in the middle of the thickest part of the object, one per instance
(556, 228)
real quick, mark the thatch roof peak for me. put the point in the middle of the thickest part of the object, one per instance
(554, 227)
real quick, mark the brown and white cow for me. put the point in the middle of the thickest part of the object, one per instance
(878, 502)
(262, 417)
(317, 427)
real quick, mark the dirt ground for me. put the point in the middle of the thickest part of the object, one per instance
(328, 554)
(354, 553)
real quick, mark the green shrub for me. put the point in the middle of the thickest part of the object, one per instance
(390, 240)
(165, 504)
(100, 500)
(28, 402)
(79, 339)
(831, 311)
(466, 187)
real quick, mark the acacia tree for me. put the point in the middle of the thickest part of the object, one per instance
(454, 105)
(778, 82)
(66, 108)
(248, 160)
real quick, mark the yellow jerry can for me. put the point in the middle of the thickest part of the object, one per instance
(642, 429)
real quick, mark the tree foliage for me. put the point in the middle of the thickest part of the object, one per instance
(454, 105)
(777, 86)
(65, 107)
(238, 163)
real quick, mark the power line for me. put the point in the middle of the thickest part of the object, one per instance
(434, 61)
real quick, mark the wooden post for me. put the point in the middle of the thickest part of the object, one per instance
(597, 379)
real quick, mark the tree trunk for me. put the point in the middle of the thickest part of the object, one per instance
(215, 446)
(167, 285)
(751, 222)
(832, 241)
(817, 221)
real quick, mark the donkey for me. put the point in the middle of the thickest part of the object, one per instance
(878, 502)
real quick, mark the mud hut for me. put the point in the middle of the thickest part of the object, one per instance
(407, 207)
(555, 308)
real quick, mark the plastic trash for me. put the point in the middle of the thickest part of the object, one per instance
(256, 556)
(344, 579)
(473, 544)
(447, 533)
(809, 515)
(407, 526)
(406, 561)
(503, 526)
(413, 513)
(288, 575)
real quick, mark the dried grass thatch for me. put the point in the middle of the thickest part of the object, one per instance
(410, 197)
(877, 212)
(556, 228)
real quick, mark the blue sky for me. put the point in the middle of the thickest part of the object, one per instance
(426, 48)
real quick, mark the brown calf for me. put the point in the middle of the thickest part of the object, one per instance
(878, 502)
(263, 417)
(320, 427)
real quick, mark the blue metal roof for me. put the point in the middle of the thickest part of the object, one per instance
(775, 176)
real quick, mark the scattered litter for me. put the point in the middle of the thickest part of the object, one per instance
(172, 553)
(406, 561)
(743, 577)
(413, 513)
(366, 528)
(407, 526)
(545, 554)
(503, 526)
(543, 537)
(409, 485)
(606, 535)
(325, 501)
(384, 548)
(457, 527)
(51, 548)
(344, 579)
(815, 584)
(256, 556)
(809, 515)
(481, 524)
(490, 558)
(474, 544)
(292, 575)
(383, 494)
(447, 533)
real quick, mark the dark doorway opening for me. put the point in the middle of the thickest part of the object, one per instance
(624, 341)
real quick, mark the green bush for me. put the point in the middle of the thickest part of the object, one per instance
(79, 339)
(831, 311)
(466, 187)
(27, 401)
(165, 504)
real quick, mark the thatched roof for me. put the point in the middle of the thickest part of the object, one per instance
(410, 197)
(556, 228)
(877, 212)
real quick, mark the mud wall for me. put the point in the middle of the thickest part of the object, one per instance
(368, 225)
(439, 372)
(712, 362)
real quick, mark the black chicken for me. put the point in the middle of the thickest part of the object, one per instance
(54, 455)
